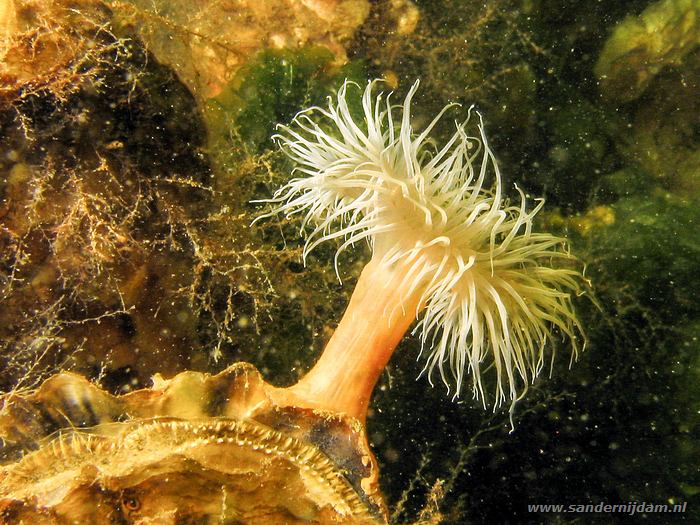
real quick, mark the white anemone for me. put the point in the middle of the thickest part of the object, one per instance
(492, 292)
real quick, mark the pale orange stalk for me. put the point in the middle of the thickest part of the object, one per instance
(344, 376)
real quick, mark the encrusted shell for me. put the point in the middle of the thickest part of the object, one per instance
(193, 449)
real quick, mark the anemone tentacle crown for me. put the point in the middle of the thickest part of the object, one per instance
(492, 292)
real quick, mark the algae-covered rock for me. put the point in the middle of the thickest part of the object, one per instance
(121, 254)
(84, 271)
(207, 42)
(642, 46)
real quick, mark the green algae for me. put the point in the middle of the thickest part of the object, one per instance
(267, 91)
(653, 248)
(271, 88)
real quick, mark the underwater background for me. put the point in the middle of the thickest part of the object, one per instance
(136, 134)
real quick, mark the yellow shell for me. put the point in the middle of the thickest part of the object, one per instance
(193, 449)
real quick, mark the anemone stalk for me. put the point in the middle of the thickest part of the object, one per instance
(372, 326)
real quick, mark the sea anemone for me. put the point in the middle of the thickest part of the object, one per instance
(446, 244)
